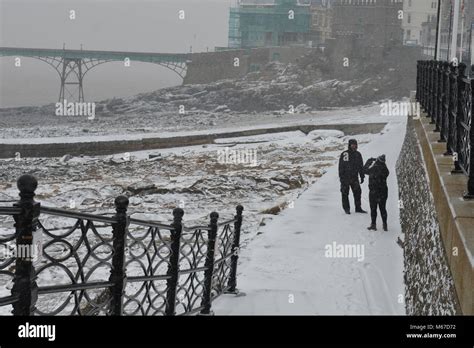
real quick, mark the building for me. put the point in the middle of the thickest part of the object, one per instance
(428, 37)
(375, 23)
(321, 21)
(464, 40)
(415, 14)
(266, 23)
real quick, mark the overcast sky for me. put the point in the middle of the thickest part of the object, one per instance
(125, 25)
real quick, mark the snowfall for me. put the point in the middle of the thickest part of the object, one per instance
(292, 216)
(287, 270)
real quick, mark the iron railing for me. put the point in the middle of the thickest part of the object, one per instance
(112, 265)
(446, 94)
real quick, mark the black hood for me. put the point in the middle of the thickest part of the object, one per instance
(352, 141)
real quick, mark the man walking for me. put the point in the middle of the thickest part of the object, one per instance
(350, 168)
(378, 172)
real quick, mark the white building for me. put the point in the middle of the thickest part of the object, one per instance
(415, 13)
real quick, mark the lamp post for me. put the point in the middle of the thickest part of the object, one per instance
(437, 31)
(454, 38)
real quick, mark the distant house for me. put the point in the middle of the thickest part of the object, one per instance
(321, 21)
(465, 29)
(415, 14)
(373, 23)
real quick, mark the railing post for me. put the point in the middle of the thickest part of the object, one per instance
(457, 122)
(209, 264)
(446, 100)
(470, 183)
(420, 94)
(423, 85)
(418, 79)
(453, 109)
(26, 223)
(439, 95)
(427, 88)
(430, 88)
(433, 90)
(173, 266)
(434, 93)
(118, 272)
(232, 285)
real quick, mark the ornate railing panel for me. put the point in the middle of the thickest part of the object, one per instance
(78, 259)
(192, 267)
(7, 259)
(87, 264)
(466, 126)
(147, 257)
(446, 93)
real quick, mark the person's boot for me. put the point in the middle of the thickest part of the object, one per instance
(385, 227)
(361, 211)
(372, 227)
(348, 211)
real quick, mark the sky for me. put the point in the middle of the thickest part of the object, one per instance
(123, 25)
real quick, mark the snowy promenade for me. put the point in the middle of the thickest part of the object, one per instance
(285, 270)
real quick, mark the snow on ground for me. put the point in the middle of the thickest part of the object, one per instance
(158, 181)
(285, 271)
(191, 177)
(25, 129)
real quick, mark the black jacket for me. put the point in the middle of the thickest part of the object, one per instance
(378, 173)
(351, 166)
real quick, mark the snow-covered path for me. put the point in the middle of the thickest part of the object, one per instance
(285, 270)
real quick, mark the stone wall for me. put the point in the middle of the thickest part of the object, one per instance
(109, 147)
(396, 61)
(429, 284)
(212, 66)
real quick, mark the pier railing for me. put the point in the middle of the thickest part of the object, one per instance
(60, 262)
(446, 94)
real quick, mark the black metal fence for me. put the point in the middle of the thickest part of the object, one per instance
(446, 94)
(112, 265)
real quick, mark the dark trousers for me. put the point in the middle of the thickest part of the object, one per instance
(356, 191)
(378, 200)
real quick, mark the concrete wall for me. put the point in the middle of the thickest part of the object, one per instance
(289, 54)
(438, 225)
(396, 61)
(351, 47)
(212, 66)
(120, 146)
